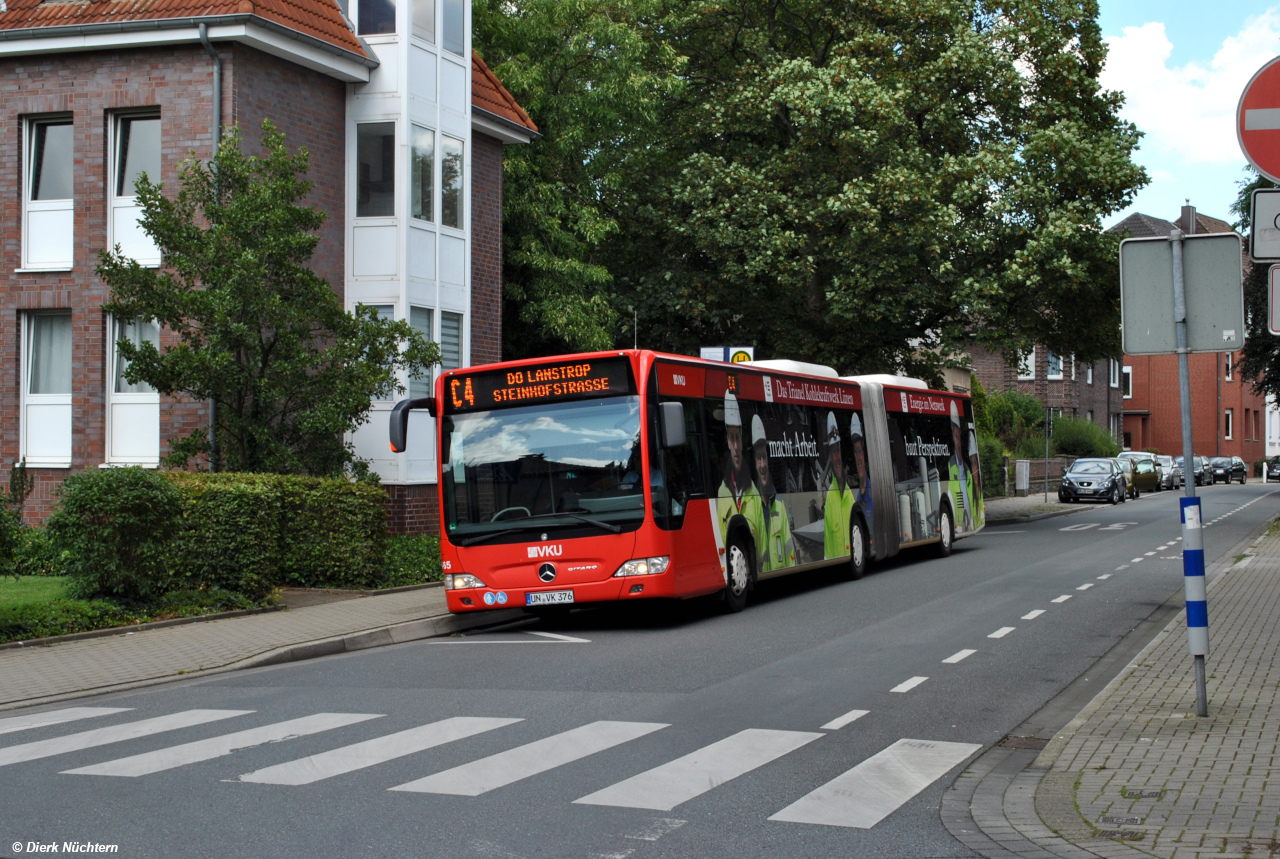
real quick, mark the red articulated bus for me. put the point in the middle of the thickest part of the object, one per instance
(635, 474)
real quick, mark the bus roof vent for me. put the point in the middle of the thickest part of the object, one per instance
(886, 379)
(784, 366)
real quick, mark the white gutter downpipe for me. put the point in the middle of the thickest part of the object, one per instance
(217, 135)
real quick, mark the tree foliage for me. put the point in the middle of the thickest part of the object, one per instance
(866, 184)
(258, 331)
(1260, 358)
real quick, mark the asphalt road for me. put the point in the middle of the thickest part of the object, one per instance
(638, 731)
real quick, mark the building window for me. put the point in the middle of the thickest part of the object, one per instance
(1027, 365)
(133, 410)
(1128, 383)
(1089, 416)
(422, 162)
(421, 319)
(451, 182)
(1226, 370)
(1226, 424)
(1088, 375)
(1073, 368)
(451, 355)
(1114, 368)
(48, 227)
(377, 17)
(376, 166)
(46, 388)
(135, 144)
(1054, 370)
(424, 19)
(453, 34)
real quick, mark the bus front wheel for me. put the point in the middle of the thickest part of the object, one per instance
(738, 570)
(947, 532)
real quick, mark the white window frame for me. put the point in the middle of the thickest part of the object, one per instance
(1073, 368)
(51, 409)
(129, 409)
(1113, 369)
(1088, 375)
(39, 217)
(1227, 421)
(431, 202)
(1027, 366)
(1127, 387)
(396, 180)
(124, 211)
(1048, 370)
(1226, 356)
(463, 336)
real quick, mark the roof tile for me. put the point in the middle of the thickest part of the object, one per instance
(488, 94)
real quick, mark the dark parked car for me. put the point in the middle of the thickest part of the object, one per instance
(1227, 469)
(1170, 474)
(1093, 479)
(1199, 469)
(1272, 469)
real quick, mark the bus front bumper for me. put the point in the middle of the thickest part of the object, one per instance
(610, 590)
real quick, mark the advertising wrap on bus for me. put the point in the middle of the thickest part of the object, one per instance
(633, 475)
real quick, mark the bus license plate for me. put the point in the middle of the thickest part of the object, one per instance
(548, 598)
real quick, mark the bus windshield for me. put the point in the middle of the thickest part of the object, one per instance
(573, 466)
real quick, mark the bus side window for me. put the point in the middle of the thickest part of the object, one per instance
(695, 450)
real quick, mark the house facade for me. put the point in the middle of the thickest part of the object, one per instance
(405, 128)
(1072, 388)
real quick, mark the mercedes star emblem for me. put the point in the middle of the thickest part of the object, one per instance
(547, 572)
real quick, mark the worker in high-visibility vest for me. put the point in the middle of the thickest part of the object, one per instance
(839, 506)
(773, 542)
(975, 468)
(960, 476)
(738, 494)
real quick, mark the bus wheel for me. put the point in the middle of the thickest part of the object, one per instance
(857, 550)
(739, 570)
(947, 529)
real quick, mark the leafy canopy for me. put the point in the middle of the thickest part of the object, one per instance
(1260, 358)
(258, 332)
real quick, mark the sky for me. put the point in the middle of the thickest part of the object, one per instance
(1182, 66)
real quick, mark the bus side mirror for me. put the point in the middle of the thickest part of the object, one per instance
(671, 419)
(400, 420)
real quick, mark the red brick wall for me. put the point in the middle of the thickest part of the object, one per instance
(486, 249)
(178, 80)
(413, 509)
(1074, 396)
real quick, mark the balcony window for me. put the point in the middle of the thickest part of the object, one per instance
(451, 356)
(424, 19)
(451, 182)
(136, 152)
(48, 228)
(454, 32)
(377, 17)
(422, 158)
(422, 320)
(376, 166)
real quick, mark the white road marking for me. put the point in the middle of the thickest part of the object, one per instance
(959, 655)
(1148, 554)
(376, 751)
(848, 718)
(528, 760)
(1062, 598)
(558, 637)
(1137, 560)
(663, 788)
(657, 829)
(1085, 586)
(114, 734)
(879, 786)
(1002, 632)
(1104, 577)
(56, 717)
(908, 685)
(1032, 615)
(1122, 567)
(1079, 527)
(216, 747)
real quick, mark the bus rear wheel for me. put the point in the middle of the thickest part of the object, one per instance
(738, 569)
(857, 550)
(947, 532)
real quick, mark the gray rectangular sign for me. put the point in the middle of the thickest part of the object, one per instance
(1264, 215)
(1213, 277)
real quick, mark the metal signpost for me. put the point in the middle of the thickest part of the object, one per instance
(1203, 312)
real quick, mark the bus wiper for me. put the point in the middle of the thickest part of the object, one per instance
(493, 535)
(607, 526)
(481, 538)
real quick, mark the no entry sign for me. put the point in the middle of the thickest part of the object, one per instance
(1258, 120)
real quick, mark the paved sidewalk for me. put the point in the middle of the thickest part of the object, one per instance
(1013, 509)
(76, 668)
(1136, 773)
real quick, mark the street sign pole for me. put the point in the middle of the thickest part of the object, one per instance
(1192, 543)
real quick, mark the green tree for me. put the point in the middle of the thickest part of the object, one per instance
(258, 331)
(849, 181)
(1260, 358)
(593, 75)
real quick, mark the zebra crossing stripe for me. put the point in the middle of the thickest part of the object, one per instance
(216, 747)
(56, 717)
(665, 787)
(528, 760)
(114, 734)
(376, 751)
(863, 796)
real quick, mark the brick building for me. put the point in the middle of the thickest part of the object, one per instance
(1069, 387)
(1227, 417)
(405, 127)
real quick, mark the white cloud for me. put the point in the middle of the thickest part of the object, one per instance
(1188, 111)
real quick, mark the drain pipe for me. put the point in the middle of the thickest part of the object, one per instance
(217, 134)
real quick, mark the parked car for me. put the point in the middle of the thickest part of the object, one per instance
(1093, 480)
(1271, 471)
(1199, 469)
(1227, 469)
(1170, 473)
(1126, 470)
(1136, 456)
(1145, 476)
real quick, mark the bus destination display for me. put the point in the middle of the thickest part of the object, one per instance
(600, 377)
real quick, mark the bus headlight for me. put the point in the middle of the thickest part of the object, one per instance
(458, 581)
(644, 567)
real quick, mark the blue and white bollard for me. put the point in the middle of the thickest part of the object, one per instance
(1197, 602)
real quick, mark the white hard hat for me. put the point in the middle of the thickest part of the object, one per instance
(855, 426)
(732, 417)
(757, 430)
(955, 415)
(833, 430)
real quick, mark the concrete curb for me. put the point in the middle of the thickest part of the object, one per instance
(435, 626)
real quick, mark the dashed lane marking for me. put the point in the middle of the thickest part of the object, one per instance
(1002, 632)
(1085, 586)
(1062, 598)
(959, 655)
(908, 685)
(847, 719)
(1032, 615)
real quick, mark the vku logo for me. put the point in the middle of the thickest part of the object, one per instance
(546, 551)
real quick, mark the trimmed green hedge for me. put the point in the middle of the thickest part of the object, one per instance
(991, 458)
